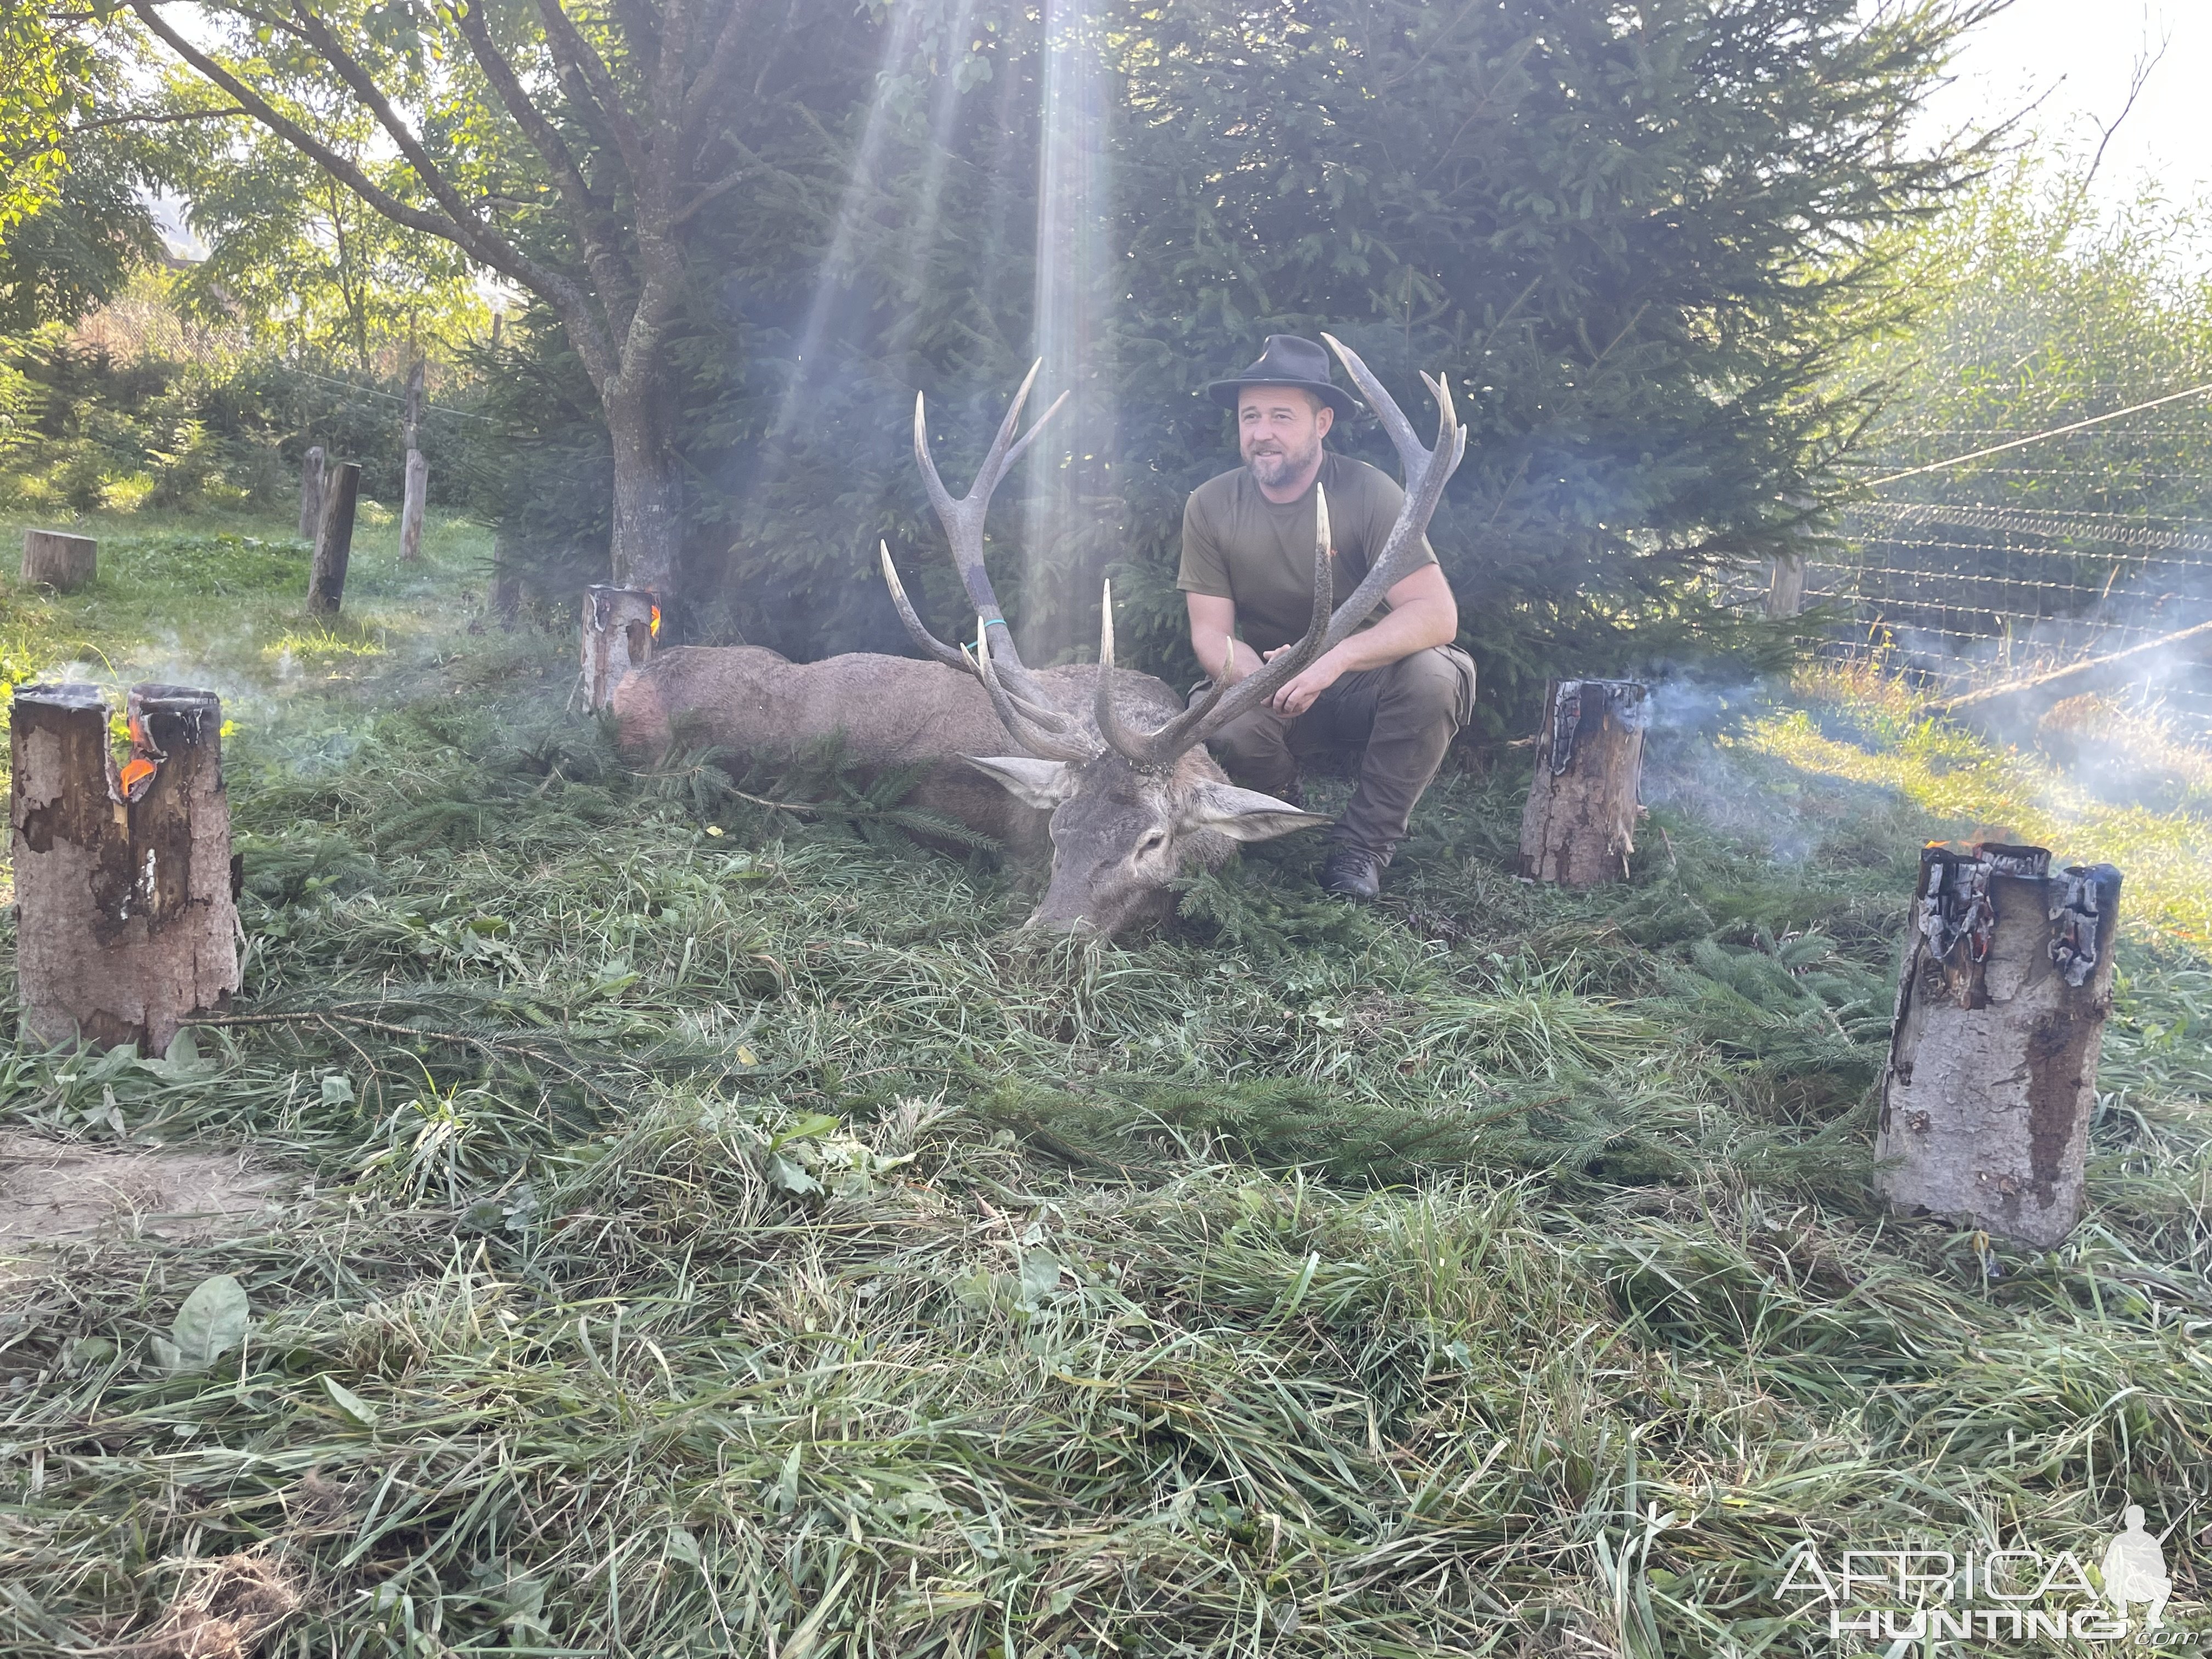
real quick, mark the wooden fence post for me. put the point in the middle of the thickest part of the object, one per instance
(126, 916)
(1785, 594)
(310, 494)
(410, 507)
(1992, 1071)
(334, 542)
(1579, 826)
(58, 560)
(506, 580)
(620, 625)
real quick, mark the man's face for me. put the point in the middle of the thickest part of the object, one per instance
(1279, 430)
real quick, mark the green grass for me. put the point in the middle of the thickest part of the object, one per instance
(716, 1230)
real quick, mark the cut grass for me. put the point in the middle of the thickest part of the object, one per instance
(748, 1242)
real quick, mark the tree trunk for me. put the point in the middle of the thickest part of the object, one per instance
(310, 494)
(619, 626)
(334, 542)
(648, 494)
(59, 561)
(1992, 1070)
(127, 916)
(1579, 826)
(410, 507)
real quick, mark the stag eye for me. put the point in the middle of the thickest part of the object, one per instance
(1153, 840)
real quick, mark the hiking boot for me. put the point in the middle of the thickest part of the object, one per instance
(1353, 874)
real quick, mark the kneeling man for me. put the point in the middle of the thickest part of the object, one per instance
(1398, 689)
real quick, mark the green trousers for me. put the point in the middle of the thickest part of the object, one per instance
(1400, 718)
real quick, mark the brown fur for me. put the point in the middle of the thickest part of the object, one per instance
(890, 712)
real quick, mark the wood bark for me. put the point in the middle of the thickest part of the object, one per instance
(125, 896)
(1992, 1071)
(59, 561)
(1579, 826)
(506, 581)
(619, 625)
(1785, 594)
(334, 542)
(310, 494)
(410, 507)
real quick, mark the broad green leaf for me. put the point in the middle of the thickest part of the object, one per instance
(212, 1322)
(350, 1403)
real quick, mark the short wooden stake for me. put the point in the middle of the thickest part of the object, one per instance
(620, 625)
(58, 560)
(310, 494)
(1992, 1072)
(334, 541)
(1579, 826)
(506, 579)
(126, 918)
(410, 506)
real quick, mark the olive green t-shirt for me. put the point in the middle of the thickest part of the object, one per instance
(1239, 546)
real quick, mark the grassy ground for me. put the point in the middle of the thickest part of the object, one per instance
(706, 1228)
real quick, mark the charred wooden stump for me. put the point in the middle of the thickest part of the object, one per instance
(310, 494)
(58, 560)
(1579, 826)
(410, 506)
(1992, 1070)
(334, 541)
(620, 625)
(126, 917)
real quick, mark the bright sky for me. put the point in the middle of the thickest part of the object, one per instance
(2076, 56)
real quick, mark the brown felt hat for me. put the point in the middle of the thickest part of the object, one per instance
(1289, 360)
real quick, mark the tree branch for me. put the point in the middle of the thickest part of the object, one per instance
(465, 231)
(152, 121)
(722, 64)
(575, 53)
(587, 211)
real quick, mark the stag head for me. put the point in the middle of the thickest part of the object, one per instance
(1131, 808)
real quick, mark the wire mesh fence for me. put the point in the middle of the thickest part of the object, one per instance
(2045, 557)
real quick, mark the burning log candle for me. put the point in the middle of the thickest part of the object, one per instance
(59, 561)
(1992, 1069)
(1579, 826)
(620, 625)
(126, 911)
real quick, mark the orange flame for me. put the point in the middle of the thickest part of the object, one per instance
(135, 771)
(656, 622)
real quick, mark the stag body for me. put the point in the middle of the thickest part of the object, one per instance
(1114, 771)
(1116, 835)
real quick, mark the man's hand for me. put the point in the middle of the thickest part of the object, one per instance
(1297, 695)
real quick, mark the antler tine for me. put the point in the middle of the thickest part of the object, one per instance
(1427, 472)
(1225, 701)
(1039, 742)
(964, 519)
(951, 656)
(1132, 746)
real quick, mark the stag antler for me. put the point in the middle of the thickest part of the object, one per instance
(1427, 471)
(964, 529)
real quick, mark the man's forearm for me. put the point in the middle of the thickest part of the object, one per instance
(1408, 628)
(1210, 651)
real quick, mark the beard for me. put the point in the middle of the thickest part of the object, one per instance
(1274, 466)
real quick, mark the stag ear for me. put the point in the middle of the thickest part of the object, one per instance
(1246, 814)
(1043, 784)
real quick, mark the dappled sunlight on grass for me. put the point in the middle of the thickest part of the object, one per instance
(1972, 789)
